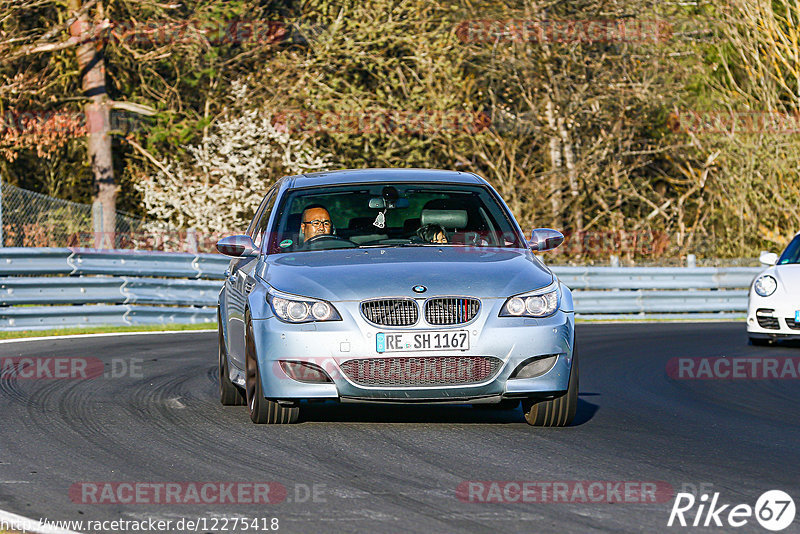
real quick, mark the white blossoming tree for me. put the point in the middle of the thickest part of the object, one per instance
(229, 172)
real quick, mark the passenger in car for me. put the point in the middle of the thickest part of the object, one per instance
(432, 233)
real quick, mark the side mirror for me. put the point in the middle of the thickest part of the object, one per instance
(545, 239)
(768, 258)
(237, 246)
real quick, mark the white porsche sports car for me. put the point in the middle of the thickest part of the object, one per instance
(773, 310)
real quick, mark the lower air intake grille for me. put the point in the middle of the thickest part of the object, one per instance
(421, 371)
(791, 323)
(768, 322)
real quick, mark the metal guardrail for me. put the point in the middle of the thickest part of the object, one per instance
(37, 261)
(581, 278)
(654, 292)
(45, 317)
(60, 287)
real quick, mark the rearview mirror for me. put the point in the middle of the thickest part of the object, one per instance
(237, 246)
(379, 203)
(768, 258)
(545, 239)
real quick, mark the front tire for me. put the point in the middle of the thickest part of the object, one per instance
(229, 394)
(262, 410)
(555, 412)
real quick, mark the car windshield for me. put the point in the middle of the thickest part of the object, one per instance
(792, 252)
(391, 215)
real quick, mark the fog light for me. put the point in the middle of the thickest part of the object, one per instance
(305, 372)
(535, 367)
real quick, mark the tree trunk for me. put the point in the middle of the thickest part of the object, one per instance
(97, 110)
(555, 166)
(572, 175)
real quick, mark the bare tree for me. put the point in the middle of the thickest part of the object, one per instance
(91, 63)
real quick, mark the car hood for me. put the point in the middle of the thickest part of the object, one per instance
(357, 274)
(788, 276)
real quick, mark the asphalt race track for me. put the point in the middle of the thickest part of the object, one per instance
(381, 468)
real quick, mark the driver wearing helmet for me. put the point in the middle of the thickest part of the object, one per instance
(316, 221)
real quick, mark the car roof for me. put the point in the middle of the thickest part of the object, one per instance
(357, 176)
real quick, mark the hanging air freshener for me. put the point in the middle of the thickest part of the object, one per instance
(380, 220)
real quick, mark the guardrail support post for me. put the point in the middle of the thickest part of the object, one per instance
(97, 223)
(191, 240)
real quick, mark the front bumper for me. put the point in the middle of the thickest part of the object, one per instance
(772, 317)
(329, 344)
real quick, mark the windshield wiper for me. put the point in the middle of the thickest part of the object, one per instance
(392, 245)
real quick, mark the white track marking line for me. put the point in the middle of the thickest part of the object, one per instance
(105, 334)
(21, 524)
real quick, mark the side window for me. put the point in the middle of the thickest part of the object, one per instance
(261, 226)
(254, 223)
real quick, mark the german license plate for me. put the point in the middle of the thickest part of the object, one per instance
(416, 341)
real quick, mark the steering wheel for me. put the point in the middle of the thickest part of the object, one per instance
(322, 238)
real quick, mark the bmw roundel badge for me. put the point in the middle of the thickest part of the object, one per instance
(419, 289)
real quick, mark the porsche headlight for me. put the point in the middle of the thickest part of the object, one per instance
(294, 309)
(533, 304)
(765, 285)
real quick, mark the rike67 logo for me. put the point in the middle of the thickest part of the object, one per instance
(774, 510)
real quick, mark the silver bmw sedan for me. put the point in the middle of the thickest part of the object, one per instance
(393, 286)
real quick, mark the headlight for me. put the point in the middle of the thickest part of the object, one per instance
(533, 304)
(765, 285)
(294, 309)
